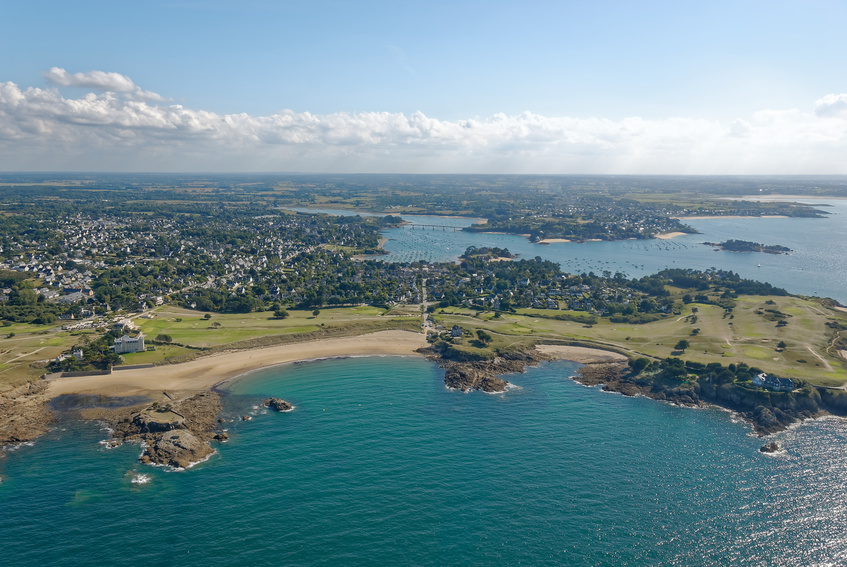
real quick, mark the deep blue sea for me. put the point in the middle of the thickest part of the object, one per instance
(380, 464)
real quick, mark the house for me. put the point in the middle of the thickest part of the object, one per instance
(127, 344)
(77, 354)
(772, 382)
(456, 331)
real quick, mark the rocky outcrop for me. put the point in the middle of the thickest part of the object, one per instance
(278, 404)
(176, 436)
(766, 412)
(179, 448)
(147, 422)
(772, 447)
(467, 375)
(24, 414)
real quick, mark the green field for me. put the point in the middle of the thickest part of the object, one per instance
(750, 334)
(746, 337)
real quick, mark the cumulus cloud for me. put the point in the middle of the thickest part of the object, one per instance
(831, 104)
(116, 129)
(100, 81)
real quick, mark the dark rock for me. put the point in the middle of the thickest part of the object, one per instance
(246, 418)
(221, 436)
(278, 404)
(771, 447)
(475, 374)
(177, 448)
(175, 437)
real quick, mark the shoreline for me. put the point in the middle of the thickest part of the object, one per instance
(207, 372)
(707, 217)
(181, 434)
(669, 235)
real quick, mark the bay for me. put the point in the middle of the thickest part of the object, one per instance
(816, 267)
(380, 464)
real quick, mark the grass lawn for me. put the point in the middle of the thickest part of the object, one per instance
(748, 336)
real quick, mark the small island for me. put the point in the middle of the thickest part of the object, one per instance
(747, 246)
(486, 253)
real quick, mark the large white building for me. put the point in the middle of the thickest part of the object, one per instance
(128, 344)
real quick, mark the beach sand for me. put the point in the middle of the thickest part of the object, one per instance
(669, 235)
(203, 373)
(582, 355)
(552, 240)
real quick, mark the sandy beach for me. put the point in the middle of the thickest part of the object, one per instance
(582, 355)
(552, 240)
(207, 371)
(669, 235)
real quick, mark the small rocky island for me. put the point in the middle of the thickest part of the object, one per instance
(747, 246)
(277, 404)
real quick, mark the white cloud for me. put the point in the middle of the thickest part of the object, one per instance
(116, 129)
(100, 81)
(831, 104)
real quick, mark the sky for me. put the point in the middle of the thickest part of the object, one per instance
(605, 87)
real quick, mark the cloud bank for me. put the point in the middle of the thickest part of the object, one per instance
(101, 81)
(120, 127)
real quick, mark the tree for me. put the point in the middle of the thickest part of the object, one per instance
(207, 316)
(682, 345)
(638, 365)
(164, 338)
(695, 332)
(781, 344)
(316, 312)
(280, 313)
(483, 336)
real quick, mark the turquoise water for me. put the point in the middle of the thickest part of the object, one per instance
(380, 464)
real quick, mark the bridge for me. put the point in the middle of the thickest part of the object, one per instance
(434, 226)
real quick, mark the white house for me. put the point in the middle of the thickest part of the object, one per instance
(128, 344)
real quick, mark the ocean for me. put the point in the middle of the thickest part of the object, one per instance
(381, 464)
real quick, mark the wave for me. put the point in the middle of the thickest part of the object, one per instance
(139, 478)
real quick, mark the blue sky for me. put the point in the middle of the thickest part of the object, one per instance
(499, 87)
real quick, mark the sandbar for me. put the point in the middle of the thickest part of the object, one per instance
(205, 372)
(669, 235)
(552, 240)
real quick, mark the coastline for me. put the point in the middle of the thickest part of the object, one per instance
(192, 387)
(707, 217)
(208, 371)
(669, 235)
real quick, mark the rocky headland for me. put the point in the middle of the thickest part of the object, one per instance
(767, 413)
